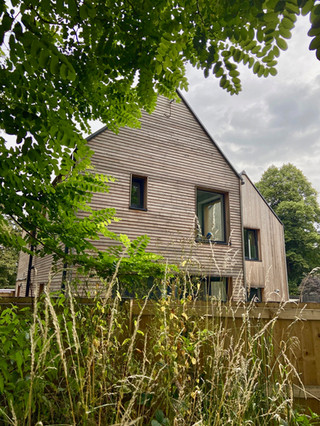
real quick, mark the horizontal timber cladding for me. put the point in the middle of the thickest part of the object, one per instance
(269, 272)
(175, 154)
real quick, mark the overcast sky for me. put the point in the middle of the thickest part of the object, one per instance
(274, 120)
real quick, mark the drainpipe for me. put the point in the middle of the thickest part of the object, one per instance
(242, 182)
(30, 267)
(64, 272)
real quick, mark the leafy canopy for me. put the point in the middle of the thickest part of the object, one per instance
(65, 62)
(294, 200)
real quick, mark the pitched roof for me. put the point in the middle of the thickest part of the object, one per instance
(200, 124)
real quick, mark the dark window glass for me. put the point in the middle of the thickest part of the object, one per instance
(211, 216)
(255, 294)
(251, 244)
(138, 192)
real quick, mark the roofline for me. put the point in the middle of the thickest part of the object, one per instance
(88, 138)
(244, 173)
(208, 134)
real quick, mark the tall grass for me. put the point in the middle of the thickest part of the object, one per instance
(163, 364)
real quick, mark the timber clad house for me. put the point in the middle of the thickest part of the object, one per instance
(174, 184)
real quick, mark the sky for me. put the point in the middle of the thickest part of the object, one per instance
(274, 120)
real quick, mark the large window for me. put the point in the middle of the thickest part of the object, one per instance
(204, 288)
(138, 197)
(251, 249)
(211, 216)
(217, 288)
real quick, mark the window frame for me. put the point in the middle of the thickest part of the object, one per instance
(225, 208)
(143, 189)
(256, 233)
(258, 295)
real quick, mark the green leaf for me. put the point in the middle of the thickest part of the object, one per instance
(219, 73)
(84, 13)
(44, 58)
(260, 36)
(287, 23)
(307, 7)
(54, 65)
(315, 19)
(256, 68)
(284, 32)
(6, 23)
(315, 43)
(313, 32)
(282, 44)
(72, 7)
(279, 7)
(64, 71)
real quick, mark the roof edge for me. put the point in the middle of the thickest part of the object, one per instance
(244, 173)
(96, 133)
(208, 134)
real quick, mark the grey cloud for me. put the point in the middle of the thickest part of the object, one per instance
(274, 120)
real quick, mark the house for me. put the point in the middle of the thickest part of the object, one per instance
(174, 184)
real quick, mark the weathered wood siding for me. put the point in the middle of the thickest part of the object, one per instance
(22, 274)
(176, 155)
(269, 272)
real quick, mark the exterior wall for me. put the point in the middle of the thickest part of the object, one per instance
(41, 272)
(22, 273)
(269, 272)
(176, 155)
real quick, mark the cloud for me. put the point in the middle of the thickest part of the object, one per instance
(273, 120)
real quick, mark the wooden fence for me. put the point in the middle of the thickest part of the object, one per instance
(293, 320)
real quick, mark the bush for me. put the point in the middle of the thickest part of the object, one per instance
(99, 364)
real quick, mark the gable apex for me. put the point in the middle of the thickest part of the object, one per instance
(208, 134)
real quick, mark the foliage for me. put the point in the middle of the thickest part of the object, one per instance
(74, 363)
(8, 258)
(294, 200)
(65, 62)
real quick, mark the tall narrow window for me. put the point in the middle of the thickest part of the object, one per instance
(138, 198)
(211, 216)
(251, 250)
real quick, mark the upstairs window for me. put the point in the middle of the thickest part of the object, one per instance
(251, 250)
(138, 196)
(211, 216)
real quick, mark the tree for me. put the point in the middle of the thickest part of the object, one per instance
(294, 200)
(9, 259)
(66, 62)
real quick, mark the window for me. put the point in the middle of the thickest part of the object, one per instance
(204, 288)
(251, 251)
(217, 288)
(211, 216)
(138, 197)
(255, 294)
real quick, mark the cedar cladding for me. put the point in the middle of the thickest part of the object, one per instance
(176, 155)
(270, 271)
